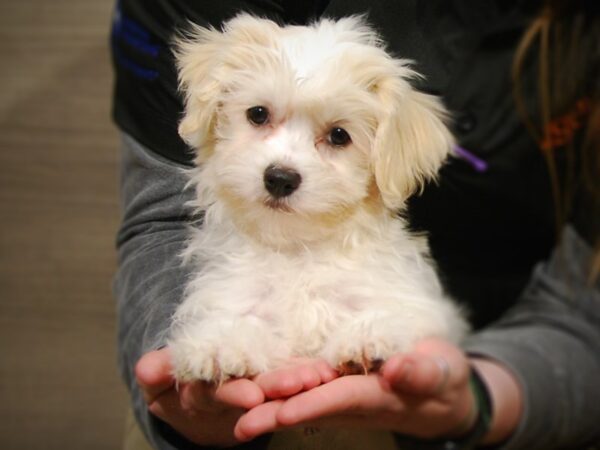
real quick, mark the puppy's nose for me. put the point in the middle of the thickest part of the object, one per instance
(281, 182)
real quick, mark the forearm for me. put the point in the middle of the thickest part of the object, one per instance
(150, 280)
(549, 346)
(507, 399)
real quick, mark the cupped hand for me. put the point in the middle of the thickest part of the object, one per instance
(424, 393)
(204, 414)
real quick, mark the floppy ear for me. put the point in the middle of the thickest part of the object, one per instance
(196, 56)
(205, 60)
(411, 142)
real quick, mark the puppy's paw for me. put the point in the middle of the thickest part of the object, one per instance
(362, 367)
(363, 346)
(217, 351)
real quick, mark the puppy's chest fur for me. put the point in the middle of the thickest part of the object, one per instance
(301, 295)
(366, 302)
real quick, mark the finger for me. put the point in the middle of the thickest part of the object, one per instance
(434, 368)
(290, 380)
(153, 373)
(280, 383)
(417, 374)
(238, 393)
(165, 406)
(198, 396)
(326, 372)
(259, 420)
(355, 394)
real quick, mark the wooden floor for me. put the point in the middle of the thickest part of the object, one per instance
(59, 387)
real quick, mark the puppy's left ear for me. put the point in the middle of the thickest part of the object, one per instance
(411, 143)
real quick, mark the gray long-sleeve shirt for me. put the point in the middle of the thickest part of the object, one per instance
(550, 339)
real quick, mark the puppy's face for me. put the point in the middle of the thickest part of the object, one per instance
(298, 128)
(288, 144)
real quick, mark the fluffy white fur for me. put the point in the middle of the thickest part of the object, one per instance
(330, 270)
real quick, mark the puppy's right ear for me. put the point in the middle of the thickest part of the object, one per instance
(206, 58)
(196, 55)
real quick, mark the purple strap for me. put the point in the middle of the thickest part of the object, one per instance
(477, 163)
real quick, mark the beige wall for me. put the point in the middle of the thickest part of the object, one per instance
(59, 387)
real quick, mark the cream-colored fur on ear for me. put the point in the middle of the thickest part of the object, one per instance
(199, 81)
(411, 143)
(205, 58)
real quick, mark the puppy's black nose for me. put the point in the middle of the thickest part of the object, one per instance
(281, 182)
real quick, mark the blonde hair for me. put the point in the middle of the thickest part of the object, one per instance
(564, 40)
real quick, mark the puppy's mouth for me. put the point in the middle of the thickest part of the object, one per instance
(277, 204)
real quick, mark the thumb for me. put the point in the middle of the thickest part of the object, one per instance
(417, 374)
(153, 373)
(431, 369)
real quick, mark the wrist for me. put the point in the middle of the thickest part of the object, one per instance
(472, 430)
(468, 415)
(506, 398)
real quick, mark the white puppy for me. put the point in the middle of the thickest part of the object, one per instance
(309, 141)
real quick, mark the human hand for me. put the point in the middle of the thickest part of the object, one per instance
(424, 393)
(202, 413)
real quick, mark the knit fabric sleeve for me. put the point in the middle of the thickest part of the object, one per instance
(551, 342)
(151, 278)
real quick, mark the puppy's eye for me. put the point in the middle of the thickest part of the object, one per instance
(339, 137)
(258, 115)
